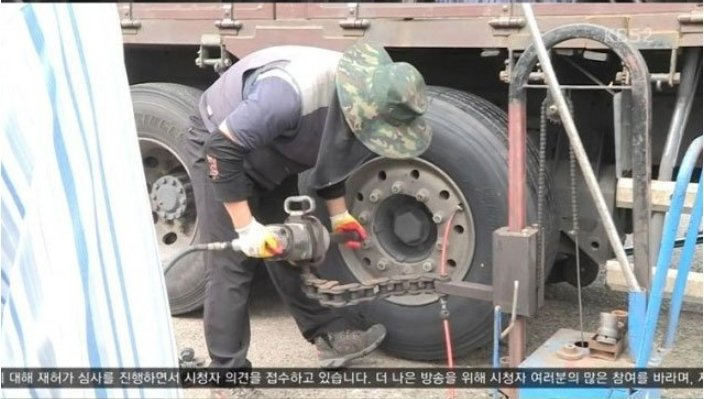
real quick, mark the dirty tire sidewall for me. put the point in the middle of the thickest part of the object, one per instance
(162, 113)
(469, 144)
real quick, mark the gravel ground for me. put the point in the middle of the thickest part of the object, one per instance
(276, 341)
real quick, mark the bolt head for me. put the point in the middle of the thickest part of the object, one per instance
(397, 187)
(437, 217)
(422, 195)
(427, 266)
(375, 196)
(363, 217)
(382, 264)
(408, 227)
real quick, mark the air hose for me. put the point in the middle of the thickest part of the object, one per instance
(212, 246)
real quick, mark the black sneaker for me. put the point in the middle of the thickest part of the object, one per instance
(336, 349)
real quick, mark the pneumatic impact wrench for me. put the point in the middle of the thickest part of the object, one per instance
(303, 238)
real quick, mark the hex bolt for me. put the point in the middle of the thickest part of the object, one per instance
(438, 217)
(427, 266)
(422, 195)
(363, 217)
(375, 195)
(381, 264)
(367, 243)
(397, 187)
(552, 109)
(438, 245)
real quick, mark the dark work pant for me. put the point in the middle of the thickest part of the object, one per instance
(230, 274)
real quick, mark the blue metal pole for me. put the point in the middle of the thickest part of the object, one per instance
(497, 340)
(636, 317)
(664, 256)
(683, 269)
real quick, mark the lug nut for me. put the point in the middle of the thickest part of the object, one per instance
(438, 217)
(363, 217)
(375, 195)
(382, 264)
(422, 195)
(427, 266)
(366, 244)
(397, 187)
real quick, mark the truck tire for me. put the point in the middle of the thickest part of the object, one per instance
(161, 113)
(469, 146)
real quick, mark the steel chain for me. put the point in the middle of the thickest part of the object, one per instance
(333, 294)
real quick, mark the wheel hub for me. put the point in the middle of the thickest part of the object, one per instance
(169, 196)
(406, 204)
(404, 228)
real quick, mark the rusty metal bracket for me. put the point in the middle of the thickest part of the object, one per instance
(128, 24)
(228, 22)
(690, 22)
(353, 22)
(209, 42)
(507, 23)
(503, 23)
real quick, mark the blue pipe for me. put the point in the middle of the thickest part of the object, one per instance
(636, 317)
(664, 256)
(683, 269)
(497, 339)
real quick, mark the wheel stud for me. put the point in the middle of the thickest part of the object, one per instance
(438, 217)
(382, 264)
(364, 217)
(397, 187)
(427, 266)
(422, 195)
(375, 196)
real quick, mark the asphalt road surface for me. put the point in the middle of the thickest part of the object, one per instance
(276, 341)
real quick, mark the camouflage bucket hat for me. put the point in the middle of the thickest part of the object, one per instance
(383, 101)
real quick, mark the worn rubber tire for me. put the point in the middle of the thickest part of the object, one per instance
(470, 145)
(161, 113)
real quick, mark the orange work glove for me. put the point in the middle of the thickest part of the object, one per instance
(344, 222)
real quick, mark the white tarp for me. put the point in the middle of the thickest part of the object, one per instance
(82, 283)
